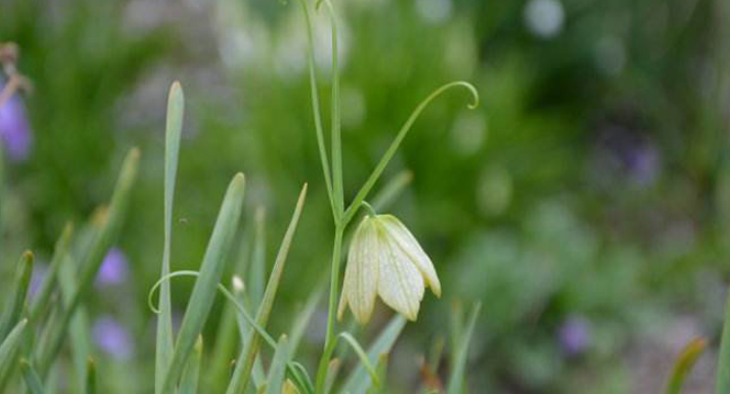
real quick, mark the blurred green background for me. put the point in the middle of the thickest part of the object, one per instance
(585, 202)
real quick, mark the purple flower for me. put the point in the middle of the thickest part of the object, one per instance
(39, 273)
(15, 130)
(574, 335)
(111, 337)
(114, 269)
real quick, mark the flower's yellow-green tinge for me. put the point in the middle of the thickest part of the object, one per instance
(385, 259)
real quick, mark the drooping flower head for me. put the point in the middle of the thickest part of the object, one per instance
(386, 260)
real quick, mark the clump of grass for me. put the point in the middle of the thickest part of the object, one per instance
(33, 333)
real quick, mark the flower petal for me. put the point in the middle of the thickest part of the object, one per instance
(410, 246)
(361, 276)
(400, 283)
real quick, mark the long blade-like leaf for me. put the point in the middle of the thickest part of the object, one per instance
(52, 340)
(359, 381)
(16, 302)
(90, 376)
(31, 378)
(191, 374)
(277, 371)
(8, 352)
(684, 364)
(211, 270)
(245, 362)
(49, 280)
(456, 382)
(175, 109)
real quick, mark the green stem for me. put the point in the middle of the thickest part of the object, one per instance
(336, 123)
(316, 111)
(332, 311)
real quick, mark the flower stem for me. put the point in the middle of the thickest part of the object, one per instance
(331, 313)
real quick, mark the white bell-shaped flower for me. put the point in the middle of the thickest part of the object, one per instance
(385, 259)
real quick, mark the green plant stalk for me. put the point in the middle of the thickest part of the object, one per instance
(316, 109)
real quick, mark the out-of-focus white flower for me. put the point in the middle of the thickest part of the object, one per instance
(385, 259)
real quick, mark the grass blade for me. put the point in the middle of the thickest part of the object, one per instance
(175, 109)
(79, 326)
(16, 302)
(382, 371)
(277, 371)
(359, 380)
(245, 362)
(226, 341)
(301, 378)
(257, 274)
(32, 380)
(90, 377)
(45, 289)
(456, 382)
(684, 364)
(204, 291)
(191, 374)
(104, 240)
(364, 360)
(8, 352)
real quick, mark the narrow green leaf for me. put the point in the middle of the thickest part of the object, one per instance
(191, 374)
(257, 275)
(301, 378)
(16, 302)
(359, 380)
(277, 371)
(684, 363)
(201, 299)
(456, 382)
(113, 219)
(364, 359)
(79, 326)
(382, 371)
(227, 345)
(90, 376)
(31, 378)
(43, 295)
(8, 352)
(246, 359)
(175, 109)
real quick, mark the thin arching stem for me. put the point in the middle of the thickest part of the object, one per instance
(378, 171)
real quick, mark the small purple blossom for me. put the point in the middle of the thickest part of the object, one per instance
(39, 274)
(111, 337)
(15, 131)
(574, 335)
(114, 269)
